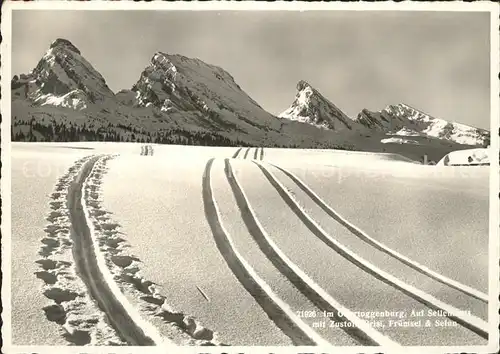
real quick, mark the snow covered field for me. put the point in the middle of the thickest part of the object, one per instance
(203, 246)
(34, 174)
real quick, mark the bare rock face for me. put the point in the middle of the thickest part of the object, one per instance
(61, 42)
(175, 84)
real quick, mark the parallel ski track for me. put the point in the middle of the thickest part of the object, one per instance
(258, 153)
(471, 322)
(146, 150)
(246, 153)
(360, 330)
(277, 310)
(107, 295)
(237, 153)
(379, 245)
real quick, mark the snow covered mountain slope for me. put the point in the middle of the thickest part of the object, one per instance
(401, 120)
(62, 78)
(175, 84)
(395, 140)
(405, 120)
(175, 100)
(310, 106)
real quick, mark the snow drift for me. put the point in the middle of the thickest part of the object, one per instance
(469, 157)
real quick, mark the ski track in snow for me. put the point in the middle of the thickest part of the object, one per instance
(107, 268)
(380, 246)
(258, 153)
(147, 150)
(361, 331)
(91, 266)
(125, 267)
(237, 153)
(277, 310)
(364, 334)
(82, 322)
(87, 267)
(469, 321)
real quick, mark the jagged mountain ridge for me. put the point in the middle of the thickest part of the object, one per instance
(404, 120)
(176, 100)
(310, 106)
(173, 95)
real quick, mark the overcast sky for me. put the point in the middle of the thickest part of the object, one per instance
(437, 62)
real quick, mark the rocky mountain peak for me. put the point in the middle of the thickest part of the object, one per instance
(302, 85)
(310, 106)
(189, 87)
(64, 44)
(62, 74)
(162, 61)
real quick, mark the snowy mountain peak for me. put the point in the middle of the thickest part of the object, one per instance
(64, 43)
(310, 106)
(403, 119)
(62, 77)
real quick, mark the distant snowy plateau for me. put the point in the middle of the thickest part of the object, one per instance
(183, 100)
